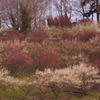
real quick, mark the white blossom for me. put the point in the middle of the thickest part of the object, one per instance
(78, 76)
(6, 79)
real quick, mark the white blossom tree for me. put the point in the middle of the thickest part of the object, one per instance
(81, 77)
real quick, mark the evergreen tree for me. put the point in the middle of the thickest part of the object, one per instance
(25, 19)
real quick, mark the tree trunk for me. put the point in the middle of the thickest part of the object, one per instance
(97, 9)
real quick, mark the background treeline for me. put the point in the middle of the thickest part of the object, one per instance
(27, 15)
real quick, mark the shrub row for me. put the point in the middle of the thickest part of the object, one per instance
(17, 55)
(40, 34)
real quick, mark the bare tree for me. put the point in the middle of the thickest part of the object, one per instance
(64, 7)
(11, 14)
(79, 9)
(94, 7)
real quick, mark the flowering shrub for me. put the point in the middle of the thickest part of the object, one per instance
(17, 62)
(38, 34)
(7, 47)
(14, 34)
(71, 52)
(5, 78)
(59, 21)
(47, 60)
(32, 49)
(92, 46)
(64, 36)
(87, 35)
(84, 21)
(96, 60)
(96, 63)
(4, 31)
(11, 35)
(82, 77)
(79, 29)
(3, 73)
